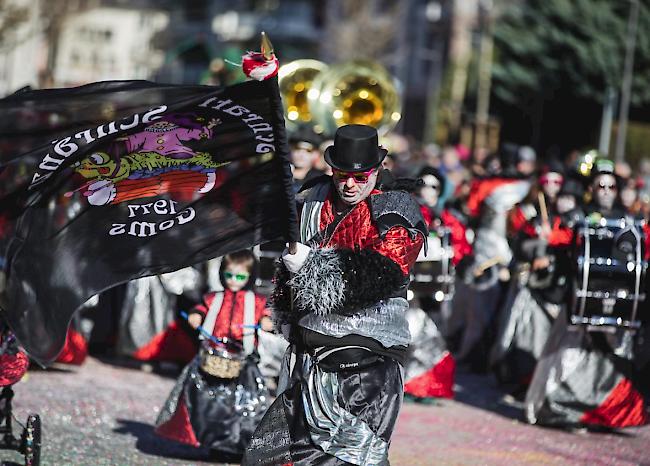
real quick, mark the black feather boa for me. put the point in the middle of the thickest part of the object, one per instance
(368, 277)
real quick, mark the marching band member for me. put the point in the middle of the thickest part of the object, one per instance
(212, 405)
(476, 303)
(430, 368)
(584, 377)
(539, 289)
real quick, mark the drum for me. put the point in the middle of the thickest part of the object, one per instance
(609, 284)
(221, 361)
(433, 273)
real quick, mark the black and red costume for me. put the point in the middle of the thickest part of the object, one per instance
(349, 335)
(203, 410)
(430, 368)
(535, 297)
(479, 291)
(586, 376)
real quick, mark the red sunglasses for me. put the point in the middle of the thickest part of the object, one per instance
(359, 177)
(557, 180)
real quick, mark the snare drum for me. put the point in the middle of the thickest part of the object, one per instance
(609, 288)
(433, 272)
(220, 361)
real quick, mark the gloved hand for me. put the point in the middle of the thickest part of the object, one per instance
(294, 262)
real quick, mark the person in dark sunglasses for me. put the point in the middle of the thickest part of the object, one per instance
(339, 299)
(587, 376)
(604, 191)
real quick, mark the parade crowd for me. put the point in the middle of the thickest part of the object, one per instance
(494, 249)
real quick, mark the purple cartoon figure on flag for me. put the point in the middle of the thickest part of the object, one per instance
(157, 161)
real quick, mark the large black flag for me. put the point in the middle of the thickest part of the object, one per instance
(112, 181)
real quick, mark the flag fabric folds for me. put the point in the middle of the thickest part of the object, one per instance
(113, 181)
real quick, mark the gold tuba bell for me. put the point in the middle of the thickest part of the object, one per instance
(295, 81)
(355, 92)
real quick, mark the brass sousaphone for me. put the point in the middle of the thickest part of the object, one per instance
(354, 92)
(295, 82)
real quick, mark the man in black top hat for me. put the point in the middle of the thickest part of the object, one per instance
(339, 301)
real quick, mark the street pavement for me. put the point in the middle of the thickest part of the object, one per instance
(103, 414)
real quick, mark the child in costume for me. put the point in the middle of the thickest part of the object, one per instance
(220, 396)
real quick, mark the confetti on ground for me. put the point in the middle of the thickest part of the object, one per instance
(103, 414)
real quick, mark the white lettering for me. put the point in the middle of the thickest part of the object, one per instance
(262, 138)
(261, 127)
(111, 129)
(146, 207)
(172, 206)
(190, 216)
(136, 120)
(149, 116)
(160, 207)
(50, 163)
(142, 229)
(205, 103)
(166, 225)
(237, 110)
(222, 103)
(65, 148)
(38, 178)
(86, 135)
(251, 117)
(132, 208)
(118, 229)
(264, 148)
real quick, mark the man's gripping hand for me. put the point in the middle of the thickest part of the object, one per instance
(295, 261)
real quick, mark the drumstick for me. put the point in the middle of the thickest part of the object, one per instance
(208, 335)
(486, 265)
(542, 208)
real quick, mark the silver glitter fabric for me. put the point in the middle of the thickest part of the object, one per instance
(170, 406)
(271, 348)
(147, 311)
(525, 327)
(398, 204)
(573, 375)
(385, 322)
(335, 430)
(221, 413)
(427, 344)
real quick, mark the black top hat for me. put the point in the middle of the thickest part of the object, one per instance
(355, 149)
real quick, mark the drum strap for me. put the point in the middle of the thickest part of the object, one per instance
(213, 313)
(249, 321)
(249, 318)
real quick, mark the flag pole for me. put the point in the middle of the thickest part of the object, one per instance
(282, 145)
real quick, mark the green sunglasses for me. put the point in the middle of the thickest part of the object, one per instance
(240, 277)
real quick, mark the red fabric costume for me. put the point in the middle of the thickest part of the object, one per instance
(357, 230)
(75, 349)
(231, 316)
(458, 231)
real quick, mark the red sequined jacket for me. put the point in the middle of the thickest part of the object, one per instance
(358, 231)
(231, 316)
(362, 259)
